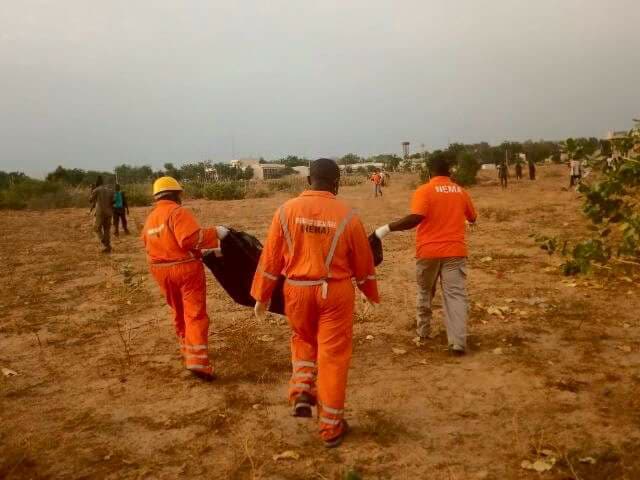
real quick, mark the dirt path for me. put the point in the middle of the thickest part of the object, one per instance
(101, 393)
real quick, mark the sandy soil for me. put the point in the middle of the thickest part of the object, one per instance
(101, 392)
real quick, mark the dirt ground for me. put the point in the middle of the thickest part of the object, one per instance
(101, 393)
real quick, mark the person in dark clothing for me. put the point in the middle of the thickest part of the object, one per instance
(503, 174)
(102, 200)
(518, 171)
(120, 211)
(532, 170)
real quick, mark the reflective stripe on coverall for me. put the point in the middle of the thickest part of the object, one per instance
(319, 244)
(173, 240)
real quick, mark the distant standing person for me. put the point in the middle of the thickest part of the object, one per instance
(503, 174)
(575, 167)
(377, 184)
(120, 211)
(532, 170)
(518, 171)
(102, 200)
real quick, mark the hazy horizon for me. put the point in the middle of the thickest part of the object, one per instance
(95, 84)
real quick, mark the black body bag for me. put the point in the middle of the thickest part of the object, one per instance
(376, 248)
(235, 269)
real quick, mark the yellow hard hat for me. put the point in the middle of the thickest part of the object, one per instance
(166, 184)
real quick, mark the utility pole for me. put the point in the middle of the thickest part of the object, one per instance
(233, 146)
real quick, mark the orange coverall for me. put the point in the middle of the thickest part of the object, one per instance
(319, 244)
(174, 240)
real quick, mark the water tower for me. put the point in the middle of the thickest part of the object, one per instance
(405, 149)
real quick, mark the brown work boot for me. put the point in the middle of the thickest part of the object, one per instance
(302, 406)
(337, 441)
(106, 250)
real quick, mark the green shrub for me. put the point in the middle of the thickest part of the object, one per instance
(42, 195)
(292, 185)
(37, 194)
(193, 190)
(225, 191)
(138, 194)
(467, 170)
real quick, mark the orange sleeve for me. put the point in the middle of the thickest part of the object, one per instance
(271, 262)
(188, 232)
(469, 209)
(419, 202)
(361, 260)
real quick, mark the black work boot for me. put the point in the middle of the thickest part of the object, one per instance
(204, 376)
(302, 406)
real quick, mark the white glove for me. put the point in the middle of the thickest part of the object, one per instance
(260, 310)
(383, 231)
(222, 231)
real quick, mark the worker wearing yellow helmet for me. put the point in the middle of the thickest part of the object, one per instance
(174, 242)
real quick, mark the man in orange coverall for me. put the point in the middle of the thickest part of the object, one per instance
(174, 242)
(318, 243)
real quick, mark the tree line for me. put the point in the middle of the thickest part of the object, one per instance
(467, 155)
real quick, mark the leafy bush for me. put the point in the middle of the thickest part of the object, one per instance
(611, 204)
(36, 194)
(225, 191)
(467, 170)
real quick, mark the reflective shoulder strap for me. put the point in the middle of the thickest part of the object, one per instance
(334, 243)
(285, 229)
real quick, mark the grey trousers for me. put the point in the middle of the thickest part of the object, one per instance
(453, 273)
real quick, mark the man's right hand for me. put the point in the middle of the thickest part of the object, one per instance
(260, 310)
(383, 231)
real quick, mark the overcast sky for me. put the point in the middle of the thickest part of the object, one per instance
(95, 83)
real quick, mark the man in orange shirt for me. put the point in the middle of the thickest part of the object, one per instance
(319, 244)
(174, 242)
(376, 178)
(439, 210)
